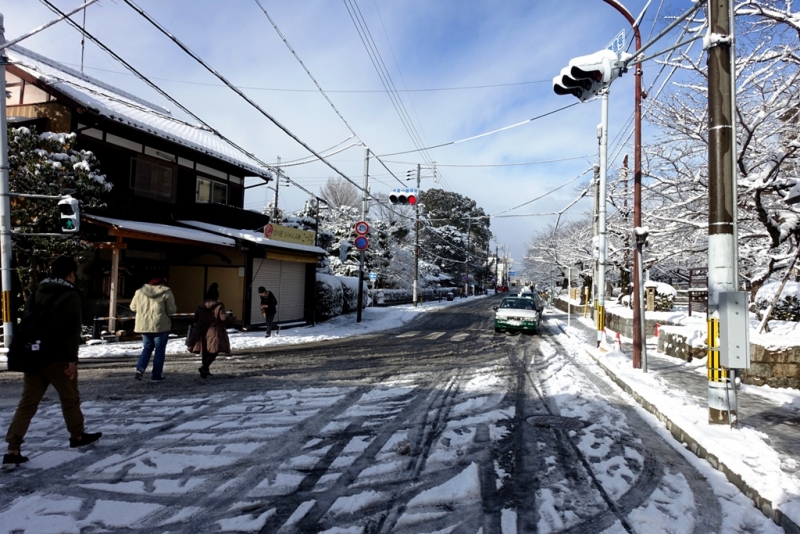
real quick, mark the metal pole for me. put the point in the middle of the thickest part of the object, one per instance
(722, 405)
(637, 182)
(416, 242)
(362, 257)
(601, 221)
(5, 203)
(640, 300)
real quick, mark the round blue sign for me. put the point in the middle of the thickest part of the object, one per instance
(362, 242)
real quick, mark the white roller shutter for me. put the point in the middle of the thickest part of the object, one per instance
(287, 281)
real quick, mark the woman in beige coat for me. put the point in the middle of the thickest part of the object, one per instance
(209, 335)
(153, 303)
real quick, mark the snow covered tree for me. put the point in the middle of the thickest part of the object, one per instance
(556, 248)
(338, 193)
(454, 230)
(48, 164)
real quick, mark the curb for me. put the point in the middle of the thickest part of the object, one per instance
(789, 526)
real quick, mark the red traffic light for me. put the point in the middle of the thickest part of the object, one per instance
(411, 199)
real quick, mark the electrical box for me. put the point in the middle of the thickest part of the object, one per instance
(734, 330)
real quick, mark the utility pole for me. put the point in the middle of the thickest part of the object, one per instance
(722, 238)
(595, 240)
(601, 220)
(362, 256)
(496, 265)
(277, 186)
(466, 263)
(415, 296)
(5, 203)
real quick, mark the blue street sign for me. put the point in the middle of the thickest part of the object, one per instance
(373, 276)
(617, 45)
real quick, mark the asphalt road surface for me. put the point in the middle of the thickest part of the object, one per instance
(441, 425)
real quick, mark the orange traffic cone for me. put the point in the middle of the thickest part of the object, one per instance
(617, 343)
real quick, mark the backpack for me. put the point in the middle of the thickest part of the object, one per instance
(30, 350)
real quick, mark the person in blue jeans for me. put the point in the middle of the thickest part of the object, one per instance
(153, 303)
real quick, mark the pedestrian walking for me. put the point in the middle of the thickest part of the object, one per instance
(56, 362)
(209, 335)
(153, 303)
(269, 307)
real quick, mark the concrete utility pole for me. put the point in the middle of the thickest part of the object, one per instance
(722, 238)
(279, 174)
(469, 228)
(5, 203)
(363, 256)
(416, 241)
(601, 220)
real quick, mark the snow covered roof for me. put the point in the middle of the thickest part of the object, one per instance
(165, 230)
(254, 237)
(128, 109)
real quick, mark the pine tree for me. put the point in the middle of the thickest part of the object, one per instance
(48, 164)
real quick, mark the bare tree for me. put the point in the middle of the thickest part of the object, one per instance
(338, 192)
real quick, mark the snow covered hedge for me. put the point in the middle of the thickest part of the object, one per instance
(665, 295)
(788, 306)
(337, 295)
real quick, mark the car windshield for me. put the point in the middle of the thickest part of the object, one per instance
(518, 304)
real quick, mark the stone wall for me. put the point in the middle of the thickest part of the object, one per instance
(778, 368)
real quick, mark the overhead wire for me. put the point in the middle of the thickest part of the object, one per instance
(154, 86)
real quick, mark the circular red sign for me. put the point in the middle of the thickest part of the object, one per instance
(362, 228)
(268, 229)
(362, 242)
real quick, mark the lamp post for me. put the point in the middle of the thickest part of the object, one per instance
(638, 341)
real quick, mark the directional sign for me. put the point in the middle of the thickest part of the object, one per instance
(362, 228)
(617, 45)
(361, 242)
(373, 276)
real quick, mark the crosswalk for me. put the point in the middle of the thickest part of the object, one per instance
(444, 336)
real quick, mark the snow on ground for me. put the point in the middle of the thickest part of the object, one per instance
(746, 451)
(231, 432)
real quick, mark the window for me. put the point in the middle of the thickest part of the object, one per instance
(152, 180)
(211, 192)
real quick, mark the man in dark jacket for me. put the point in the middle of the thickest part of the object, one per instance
(269, 307)
(59, 296)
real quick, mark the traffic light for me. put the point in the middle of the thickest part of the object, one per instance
(585, 76)
(70, 215)
(408, 195)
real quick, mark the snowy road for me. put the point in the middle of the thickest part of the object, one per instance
(440, 426)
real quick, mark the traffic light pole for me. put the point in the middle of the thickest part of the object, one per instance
(5, 203)
(722, 238)
(638, 317)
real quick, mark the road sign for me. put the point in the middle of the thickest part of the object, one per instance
(362, 228)
(617, 45)
(373, 276)
(512, 273)
(361, 242)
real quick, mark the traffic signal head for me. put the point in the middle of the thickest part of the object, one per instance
(408, 196)
(70, 215)
(585, 76)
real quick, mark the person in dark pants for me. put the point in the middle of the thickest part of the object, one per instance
(209, 336)
(269, 307)
(58, 367)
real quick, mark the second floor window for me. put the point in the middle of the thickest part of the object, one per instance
(153, 180)
(211, 192)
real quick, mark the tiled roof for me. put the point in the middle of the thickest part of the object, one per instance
(128, 109)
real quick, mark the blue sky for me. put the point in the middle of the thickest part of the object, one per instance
(444, 52)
